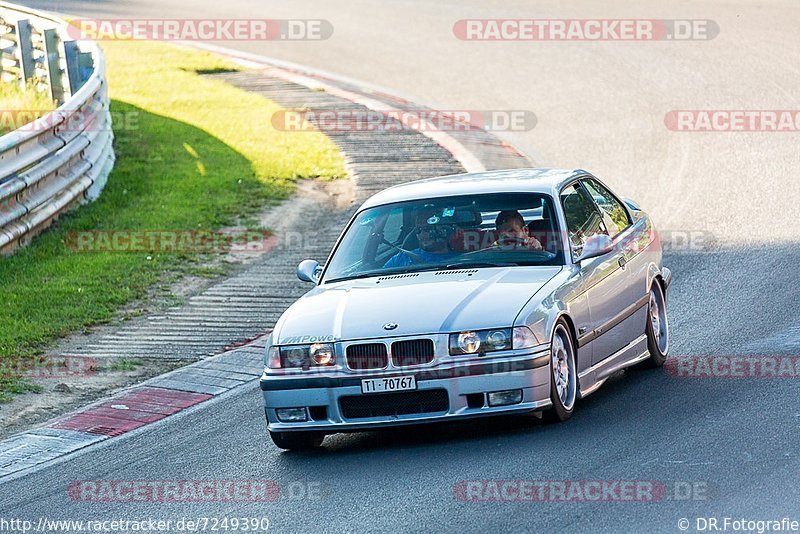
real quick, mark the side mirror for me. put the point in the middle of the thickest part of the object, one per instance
(596, 245)
(309, 271)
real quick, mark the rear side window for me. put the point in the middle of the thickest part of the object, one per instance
(583, 218)
(615, 216)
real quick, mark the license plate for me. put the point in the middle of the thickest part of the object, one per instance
(383, 385)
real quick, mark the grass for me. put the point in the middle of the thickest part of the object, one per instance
(193, 153)
(12, 384)
(14, 100)
(123, 364)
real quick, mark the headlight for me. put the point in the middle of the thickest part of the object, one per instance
(482, 341)
(322, 354)
(301, 356)
(498, 340)
(469, 342)
(294, 356)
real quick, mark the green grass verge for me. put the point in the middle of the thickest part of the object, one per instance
(193, 153)
(123, 364)
(13, 100)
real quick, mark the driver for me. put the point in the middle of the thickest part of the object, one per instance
(432, 236)
(512, 233)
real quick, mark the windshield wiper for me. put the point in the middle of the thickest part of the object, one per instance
(477, 265)
(383, 272)
(422, 269)
(353, 277)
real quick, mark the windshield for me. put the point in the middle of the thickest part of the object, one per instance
(498, 229)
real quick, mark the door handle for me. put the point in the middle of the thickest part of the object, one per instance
(622, 261)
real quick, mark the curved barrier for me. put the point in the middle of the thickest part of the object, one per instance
(62, 158)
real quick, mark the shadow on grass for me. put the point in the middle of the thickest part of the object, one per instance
(217, 70)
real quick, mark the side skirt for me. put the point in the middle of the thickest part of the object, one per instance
(594, 377)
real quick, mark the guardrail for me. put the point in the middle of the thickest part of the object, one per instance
(64, 157)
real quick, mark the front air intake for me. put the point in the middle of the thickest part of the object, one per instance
(412, 352)
(394, 404)
(367, 356)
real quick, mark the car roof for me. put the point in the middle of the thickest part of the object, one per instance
(540, 180)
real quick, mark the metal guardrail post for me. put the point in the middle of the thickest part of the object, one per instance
(24, 51)
(71, 53)
(85, 66)
(53, 56)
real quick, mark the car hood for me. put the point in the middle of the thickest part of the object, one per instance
(419, 303)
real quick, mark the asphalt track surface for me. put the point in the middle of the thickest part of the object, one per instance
(600, 106)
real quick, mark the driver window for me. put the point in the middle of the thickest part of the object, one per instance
(583, 219)
(393, 226)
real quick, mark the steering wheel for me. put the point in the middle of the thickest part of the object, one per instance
(416, 257)
(511, 241)
(508, 242)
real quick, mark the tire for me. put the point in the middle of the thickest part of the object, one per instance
(297, 441)
(563, 375)
(657, 328)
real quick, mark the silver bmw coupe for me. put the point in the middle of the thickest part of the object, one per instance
(466, 296)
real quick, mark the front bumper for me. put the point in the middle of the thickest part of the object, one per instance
(321, 395)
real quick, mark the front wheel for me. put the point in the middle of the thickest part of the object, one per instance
(563, 375)
(657, 327)
(297, 440)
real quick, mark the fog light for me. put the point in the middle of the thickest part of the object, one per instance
(504, 398)
(291, 415)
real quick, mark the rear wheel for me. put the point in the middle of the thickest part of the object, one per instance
(657, 327)
(563, 375)
(297, 440)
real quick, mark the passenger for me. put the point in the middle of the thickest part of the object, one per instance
(432, 237)
(512, 232)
